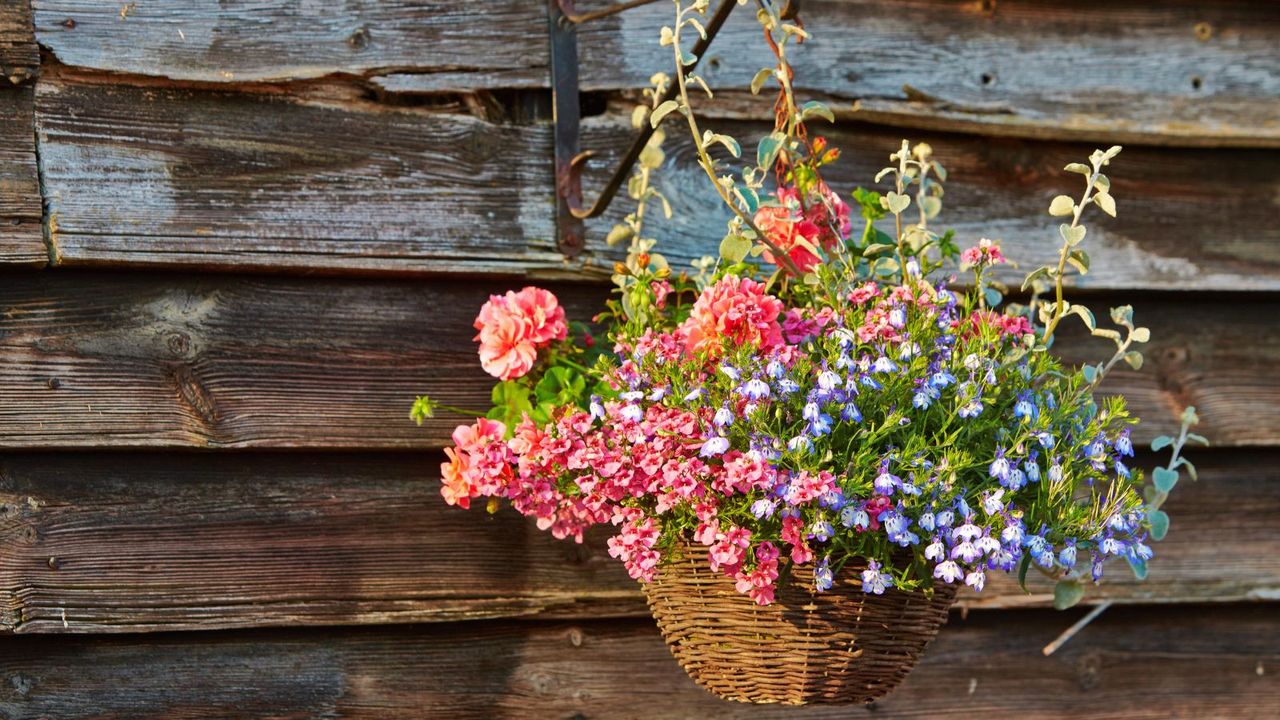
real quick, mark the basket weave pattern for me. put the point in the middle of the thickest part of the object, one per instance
(838, 646)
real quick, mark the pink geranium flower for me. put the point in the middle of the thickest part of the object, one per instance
(513, 327)
(732, 313)
(795, 236)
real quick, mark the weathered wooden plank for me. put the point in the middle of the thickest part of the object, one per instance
(115, 360)
(1172, 72)
(129, 543)
(1130, 663)
(288, 180)
(19, 55)
(21, 240)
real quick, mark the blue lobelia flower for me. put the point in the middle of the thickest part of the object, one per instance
(828, 380)
(821, 531)
(1016, 480)
(1024, 408)
(731, 372)
(723, 417)
(1013, 533)
(966, 551)
(941, 379)
(810, 411)
(715, 445)
(597, 408)
(755, 389)
(632, 413)
(694, 394)
(822, 577)
(763, 508)
(948, 571)
(927, 521)
(1000, 467)
(971, 409)
(787, 386)
(820, 425)
(976, 580)
(851, 413)
(1031, 469)
(1067, 557)
(775, 370)
(1123, 444)
(852, 516)
(886, 482)
(923, 398)
(869, 382)
(884, 365)
(800, 444)
(936, 550)
(631, 395)
(945, 518)
(874, 581)
(992, 502)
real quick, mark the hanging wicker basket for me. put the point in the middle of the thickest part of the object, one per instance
(838, 646)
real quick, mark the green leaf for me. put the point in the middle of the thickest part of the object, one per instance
(1164, 479)
(1191, 469)
(687, 58)
(1061, 206)
(1073, 235)
(1090, 373)
(895, 202)
(760, 79)
(662, 111)
(619, 233)
(1106, 202)
(1086, 315)
(932, 206)
(1079, 168)
(1035, 275)
(1067, 593)
(1139, 567)
(767, 150)
(1134, 358)
(1161, 443)
(1023, 567)
(732, 145)
(815, 108)
(1193, 437)
(1159, 520)
(1079, 259)
(1102, 183)
(993, 296)
(1141, 335)
(734, 248)
(1122, 315)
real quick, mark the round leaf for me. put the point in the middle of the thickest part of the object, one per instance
(1159, 524)
(1165, 479)
(1067, 593)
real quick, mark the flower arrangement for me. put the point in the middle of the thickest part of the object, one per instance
(819, 393)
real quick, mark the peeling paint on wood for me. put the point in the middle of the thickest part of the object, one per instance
(164, 177)
(1084, 68)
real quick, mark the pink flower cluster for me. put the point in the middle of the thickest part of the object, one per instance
(888, 312)
(986, 252)
(734, 312)
(580, 471)
(513, 327)
(1008, 325)
(800, 228)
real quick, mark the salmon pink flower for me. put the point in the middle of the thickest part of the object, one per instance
(513, 327)
(734, 312)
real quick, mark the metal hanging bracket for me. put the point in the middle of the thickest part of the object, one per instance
(566, 116)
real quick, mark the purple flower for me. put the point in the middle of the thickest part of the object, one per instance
(948, 571)
(966, 551)
(855, 517)
(936, 550)
(763, 508)
(694, 394)
(597, 408)
(755, 389)
(884, 365)
(714, 445)
(886, 482)
(927, 521)
(850, 413)
(976, 580)
(731, 371)
(828, 380)
(991, 502)
(723, 417)
(999, 468)
(873, 580)
(1067, 558)
(1124, 445)
(821, 531)
(632, 413)
(800, 444)
(822, 577)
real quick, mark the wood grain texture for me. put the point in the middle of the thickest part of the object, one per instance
(284, 180)
(21, 236)
(220, 361)
(105, 543)
(1130, 663)
(1174, 72)
(19, 54)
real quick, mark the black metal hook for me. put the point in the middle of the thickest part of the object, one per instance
(566, 113)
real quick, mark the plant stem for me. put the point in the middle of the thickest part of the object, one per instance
(1058, 275)
(705, 160)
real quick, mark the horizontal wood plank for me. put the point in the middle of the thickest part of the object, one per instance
(21, 236)
(19, 54)
(89, 360)
(1173, 72)
(284, 180)
(1130, 663)
(129, 543)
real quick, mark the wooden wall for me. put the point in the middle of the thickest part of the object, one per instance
(235, 241)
